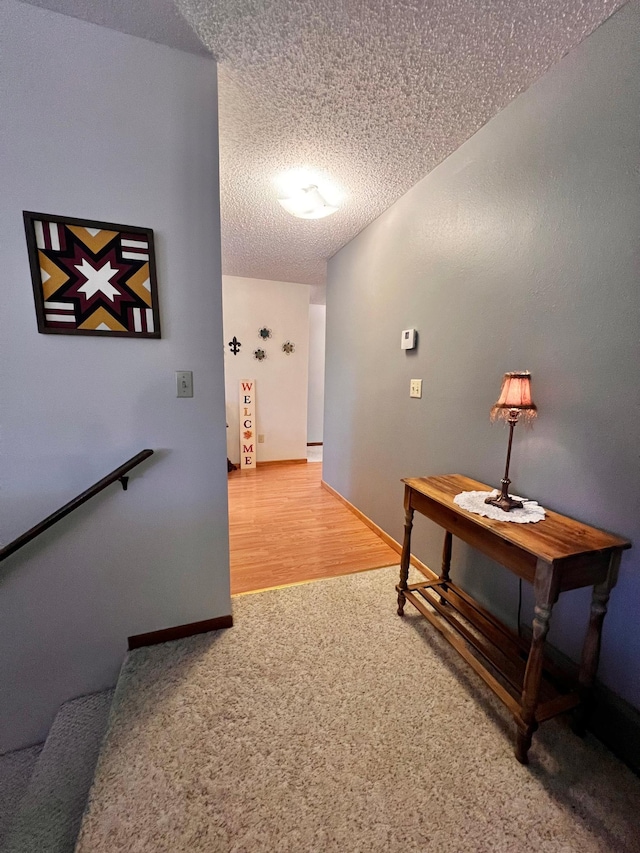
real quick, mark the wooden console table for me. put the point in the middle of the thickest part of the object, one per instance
(555, 555)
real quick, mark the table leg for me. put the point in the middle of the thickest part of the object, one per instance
(406, 554)
(546, 594)
(591, 648)
(446, 562)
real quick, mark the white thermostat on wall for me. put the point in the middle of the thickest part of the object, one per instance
(408, 339)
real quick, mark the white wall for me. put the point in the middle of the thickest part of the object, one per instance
(315, 406)
(281, 380)
(109, 127)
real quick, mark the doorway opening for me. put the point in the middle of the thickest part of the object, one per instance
(284, 526)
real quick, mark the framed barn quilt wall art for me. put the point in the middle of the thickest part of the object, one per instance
(92, 278)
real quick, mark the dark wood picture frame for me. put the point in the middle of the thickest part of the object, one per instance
(72, 302)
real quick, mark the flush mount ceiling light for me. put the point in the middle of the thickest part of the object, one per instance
(307, 192)
(307, 203)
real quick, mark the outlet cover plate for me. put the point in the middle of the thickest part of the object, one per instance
(415, 388)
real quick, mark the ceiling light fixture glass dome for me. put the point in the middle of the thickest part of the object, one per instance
(307, 203)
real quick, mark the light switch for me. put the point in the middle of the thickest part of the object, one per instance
(415, 389)
(184, 380)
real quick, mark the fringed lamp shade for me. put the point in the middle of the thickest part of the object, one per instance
(515, 395)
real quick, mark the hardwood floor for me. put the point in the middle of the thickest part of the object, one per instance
(284, 528)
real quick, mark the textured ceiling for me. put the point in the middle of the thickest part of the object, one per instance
(372, 93)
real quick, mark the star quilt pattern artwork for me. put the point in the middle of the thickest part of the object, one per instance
(92, 278)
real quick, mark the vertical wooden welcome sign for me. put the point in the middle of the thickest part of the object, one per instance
(247, 422)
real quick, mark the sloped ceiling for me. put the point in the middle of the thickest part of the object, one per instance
(155, 20)
(371, 93)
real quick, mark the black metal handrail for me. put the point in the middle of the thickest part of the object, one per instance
(118, 474)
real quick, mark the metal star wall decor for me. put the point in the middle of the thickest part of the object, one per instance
(288, 347)
(260, 354)
(264, 333)
(234, 345)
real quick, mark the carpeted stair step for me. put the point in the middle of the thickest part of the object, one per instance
(50, 814)
(16, 769)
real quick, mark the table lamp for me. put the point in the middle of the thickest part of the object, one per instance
(514, 401)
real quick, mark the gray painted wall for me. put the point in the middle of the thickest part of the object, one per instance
(106, 126)
(520, 251)
(315, 402)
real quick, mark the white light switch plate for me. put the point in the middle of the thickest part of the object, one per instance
(184, 382)
(415, 388)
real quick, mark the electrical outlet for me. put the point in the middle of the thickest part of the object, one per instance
(415, 388)
(260, 439)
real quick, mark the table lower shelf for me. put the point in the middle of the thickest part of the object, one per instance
(495, 652)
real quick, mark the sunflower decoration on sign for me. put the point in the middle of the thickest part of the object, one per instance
(259, 354)
(288, 347)
(265, 333)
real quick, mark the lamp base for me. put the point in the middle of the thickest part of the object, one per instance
(504, 502)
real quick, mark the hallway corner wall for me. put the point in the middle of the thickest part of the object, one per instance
(520, 251)
(110, 127)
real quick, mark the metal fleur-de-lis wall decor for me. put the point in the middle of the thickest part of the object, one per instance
(260, 354)
(264, 333)
(235, 345)
(288, 347)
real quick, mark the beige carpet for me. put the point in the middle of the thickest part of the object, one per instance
(15, 772)
(50, 812)
(324, 722)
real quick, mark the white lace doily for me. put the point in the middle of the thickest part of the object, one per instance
(474, 502)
